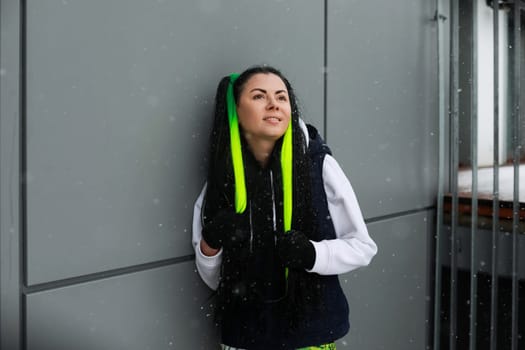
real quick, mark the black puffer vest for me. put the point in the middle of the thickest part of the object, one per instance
(264, 326)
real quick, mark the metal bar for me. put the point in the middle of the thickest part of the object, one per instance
(516, 47)
(495, 188)
(454, 116)
(441, 174)
(474, 166)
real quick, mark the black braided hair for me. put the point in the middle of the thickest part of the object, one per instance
(220, 192)
(220, 171)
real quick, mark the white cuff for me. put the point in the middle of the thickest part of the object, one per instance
(208, 267)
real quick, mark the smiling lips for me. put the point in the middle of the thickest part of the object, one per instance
(272, 120)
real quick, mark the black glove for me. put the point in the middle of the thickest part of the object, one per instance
(221, 226)
(295, 250)
(225, 230)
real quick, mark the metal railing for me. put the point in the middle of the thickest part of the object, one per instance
(446, 302)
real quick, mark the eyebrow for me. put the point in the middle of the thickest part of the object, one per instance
(264, 91)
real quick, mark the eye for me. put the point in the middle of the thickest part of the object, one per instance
(258, 96)
(282, 98)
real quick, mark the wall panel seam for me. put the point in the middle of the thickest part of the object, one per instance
(67, 282)
(22, 172)
(325, 72)
(399, 214)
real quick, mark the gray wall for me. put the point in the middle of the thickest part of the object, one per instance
(105, 112)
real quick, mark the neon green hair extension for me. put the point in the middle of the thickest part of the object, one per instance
(236, 150)
(286, 170)
(238, 166)
(286, 167)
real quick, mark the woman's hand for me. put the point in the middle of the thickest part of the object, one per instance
(221, 226)
(207, 250)
(295, 250)
(224, 230)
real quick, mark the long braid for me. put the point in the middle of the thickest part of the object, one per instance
(221, 195)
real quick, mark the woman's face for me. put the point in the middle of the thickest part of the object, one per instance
(264, 108)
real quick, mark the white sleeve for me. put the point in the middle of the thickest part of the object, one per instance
(207, 266)
(353, 246)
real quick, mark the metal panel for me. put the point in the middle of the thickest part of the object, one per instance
(382, 110)
(10, 228)
(164, 308)
(484, 253)
(120, 95)
(389, 299)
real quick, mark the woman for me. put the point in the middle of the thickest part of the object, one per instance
(276, 222)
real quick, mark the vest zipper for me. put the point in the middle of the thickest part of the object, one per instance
(251, 226)
(273, 208)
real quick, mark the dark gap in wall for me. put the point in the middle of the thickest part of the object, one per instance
(483, 311)
(325, 71)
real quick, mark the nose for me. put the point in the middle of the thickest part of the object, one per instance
(272, 104)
